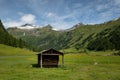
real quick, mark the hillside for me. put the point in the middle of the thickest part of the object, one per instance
(83, 36)
(8, 39)
(41, 38)
(12, 51)
(80, 37)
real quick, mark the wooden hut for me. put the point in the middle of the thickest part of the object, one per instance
(49, 58)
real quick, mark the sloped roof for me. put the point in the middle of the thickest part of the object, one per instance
(50, 51)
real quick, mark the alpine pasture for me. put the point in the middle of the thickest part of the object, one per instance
(18, 64)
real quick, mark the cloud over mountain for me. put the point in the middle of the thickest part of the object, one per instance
(62, 14)
(26, 18)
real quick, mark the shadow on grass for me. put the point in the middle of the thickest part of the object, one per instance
(35, 65)
(47, 66)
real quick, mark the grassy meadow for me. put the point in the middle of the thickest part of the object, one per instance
(79, 66)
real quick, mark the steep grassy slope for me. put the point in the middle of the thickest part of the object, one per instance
(83, 35)
(106, 39)
(7, 39)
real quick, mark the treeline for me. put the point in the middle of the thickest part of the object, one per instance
(7, 39)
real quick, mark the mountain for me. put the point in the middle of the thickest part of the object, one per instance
(83, 37)
(7, 39)
(41, 38)
(27, 26)
(103, 36)
(75, 26)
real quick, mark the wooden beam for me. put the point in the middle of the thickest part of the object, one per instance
(62, 60)
(41, 61)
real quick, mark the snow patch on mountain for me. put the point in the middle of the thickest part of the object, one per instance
(28, 26)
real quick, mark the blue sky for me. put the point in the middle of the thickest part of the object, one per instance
(61, 14)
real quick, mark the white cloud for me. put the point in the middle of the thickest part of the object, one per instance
(62, 25)
(12, 23)
(58, 22)
(50, 14)
(28, 18)
(25, 18)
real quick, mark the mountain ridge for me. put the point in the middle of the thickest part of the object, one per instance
(32, 26)
(78, 38)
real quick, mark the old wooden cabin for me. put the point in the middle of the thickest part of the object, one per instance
(49, 58)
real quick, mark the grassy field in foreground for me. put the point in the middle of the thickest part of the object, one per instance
(77, 67)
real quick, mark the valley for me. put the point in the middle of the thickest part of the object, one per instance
(59, 39)
(91, 52)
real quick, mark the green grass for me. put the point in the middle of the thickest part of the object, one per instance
(77, 67)
(8, 51)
